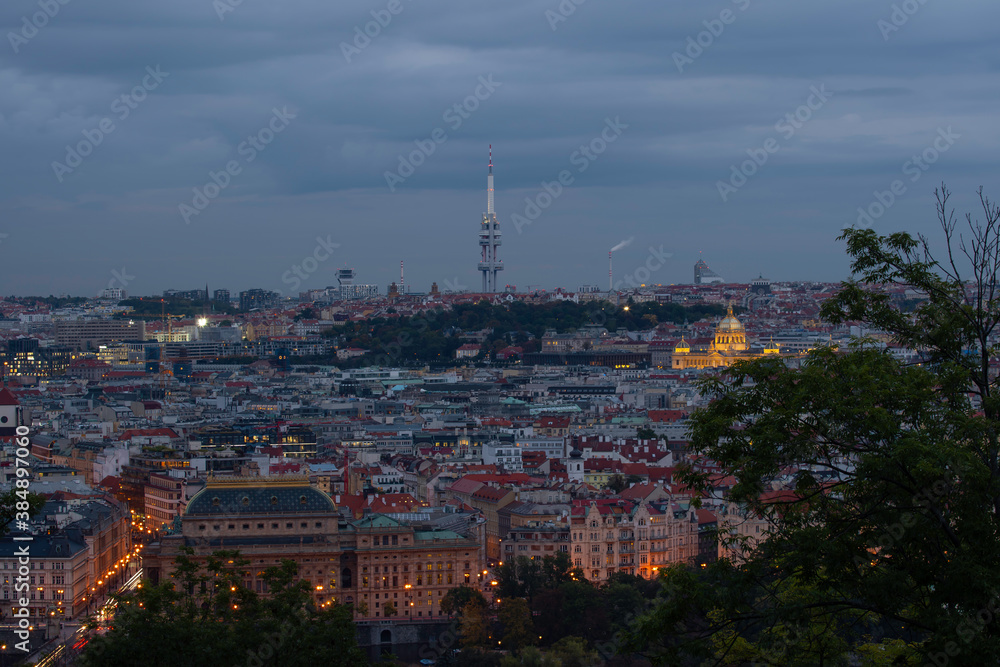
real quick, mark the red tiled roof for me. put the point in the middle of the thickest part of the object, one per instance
(7, 397)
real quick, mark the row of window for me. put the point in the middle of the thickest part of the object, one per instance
(39, 594)
(55, 579)
(260, 526)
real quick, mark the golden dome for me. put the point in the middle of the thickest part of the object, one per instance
(682, 346)
(729, 322)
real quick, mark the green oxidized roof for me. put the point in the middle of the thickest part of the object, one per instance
(234, 500)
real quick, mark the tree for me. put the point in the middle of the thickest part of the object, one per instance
(523, 577)
(389, 609)
(473, 626)
(645, 433)
(515, 617)
(18, 501)
(886, 545)
(205, 616)
(455, 599)
(617, 482)
(307, 313)
(572, 652)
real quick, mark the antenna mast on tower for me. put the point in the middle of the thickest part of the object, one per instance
(489, 237)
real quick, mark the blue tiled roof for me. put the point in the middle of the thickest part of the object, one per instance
(262, 499)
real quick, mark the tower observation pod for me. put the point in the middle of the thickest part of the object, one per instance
(489, 237)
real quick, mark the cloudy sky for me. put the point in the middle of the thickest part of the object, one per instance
(115, 114)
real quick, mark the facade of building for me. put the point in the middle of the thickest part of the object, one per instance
(382, 566)
(258, 298)
(25, 356)
(704, 275)
(80, 551)
(617, 536)
(163, 499)
(728, 346)
(91, 334)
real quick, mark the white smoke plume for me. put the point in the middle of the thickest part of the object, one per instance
(623, 244)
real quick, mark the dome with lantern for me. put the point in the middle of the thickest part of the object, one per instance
(730, 336)
(729, 322)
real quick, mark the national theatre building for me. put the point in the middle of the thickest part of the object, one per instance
(365, 562)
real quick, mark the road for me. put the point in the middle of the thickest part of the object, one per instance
(72, 641)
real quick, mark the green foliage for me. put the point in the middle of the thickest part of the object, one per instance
(885, 548)
(518, 630)
(9, 506)
(572, 652)
(455, 599)
(474, 628)
(523, 577)
(152, 308)
(617, 482)
(205, 616)
(427, 338)
(307, 313)
(50, 300)
(646, 434)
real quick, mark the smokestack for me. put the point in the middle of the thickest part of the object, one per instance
(611, 281)
(400, 276)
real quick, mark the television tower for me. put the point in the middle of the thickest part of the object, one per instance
(489, 237)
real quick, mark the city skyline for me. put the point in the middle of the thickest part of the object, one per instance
(225, 159)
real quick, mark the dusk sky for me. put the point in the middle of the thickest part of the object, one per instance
(95, 184)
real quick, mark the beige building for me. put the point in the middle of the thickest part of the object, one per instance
(615, 536)
(91, 334)
(372, 563)
(728, 346)
(73, 566)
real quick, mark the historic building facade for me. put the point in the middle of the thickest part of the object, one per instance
(382, 566)
(727, 347)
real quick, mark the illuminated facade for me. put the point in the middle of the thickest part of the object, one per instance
(373, 563)
(27, 358)
(728, 346)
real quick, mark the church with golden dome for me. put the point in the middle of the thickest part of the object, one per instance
(728, 346)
